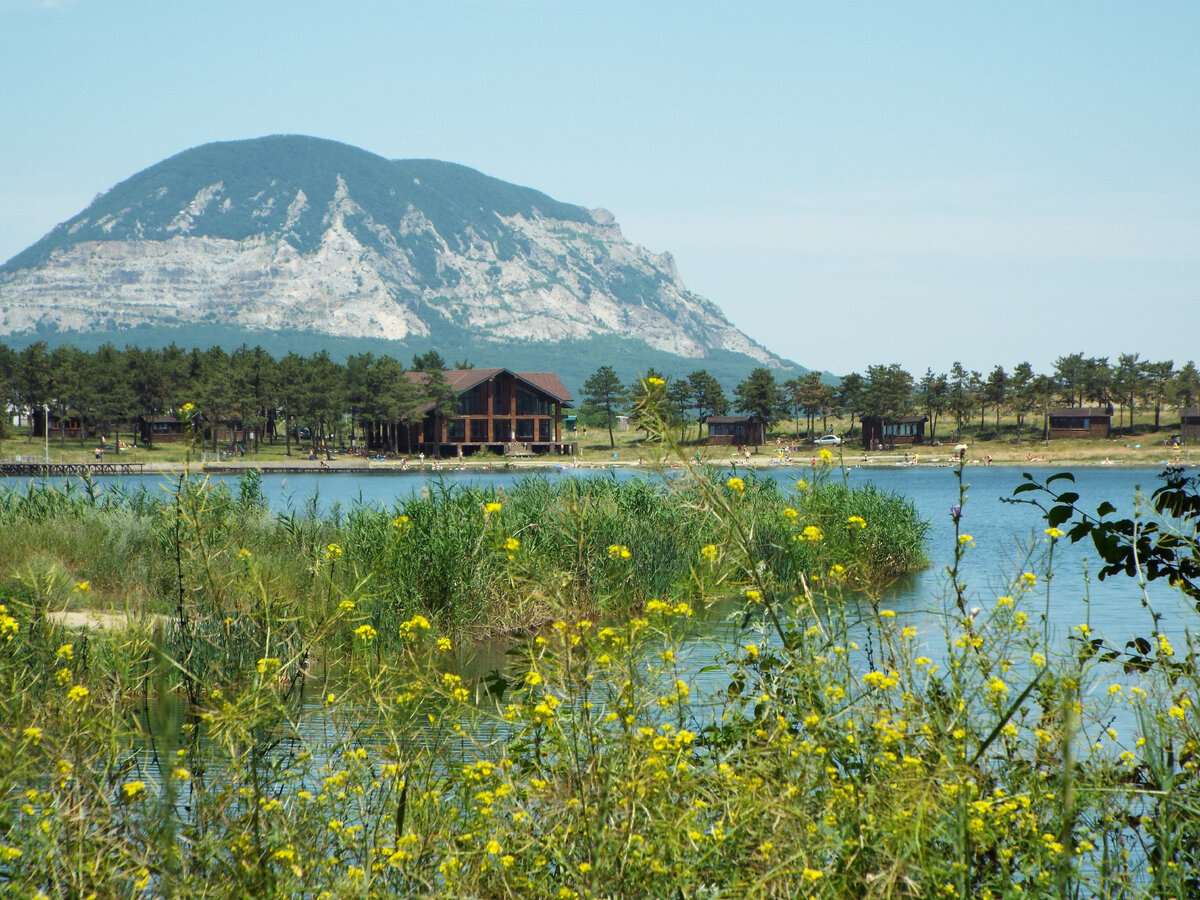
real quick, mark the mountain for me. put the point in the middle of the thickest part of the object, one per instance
(287, 234)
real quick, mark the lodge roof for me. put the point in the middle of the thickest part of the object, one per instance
(462, 380)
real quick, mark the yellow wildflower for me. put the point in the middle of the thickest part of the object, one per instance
(736, 484)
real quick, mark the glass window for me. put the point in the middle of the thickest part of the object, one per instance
(471, 403)
(479, 431)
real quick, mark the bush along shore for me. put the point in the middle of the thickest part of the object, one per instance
(846, 751)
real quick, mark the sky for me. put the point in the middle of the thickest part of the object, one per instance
(852, 183)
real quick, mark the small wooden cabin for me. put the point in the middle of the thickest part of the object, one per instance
(1080, 422)
(735, 430)
(887, 432)
(1189, 424)
(159, 429)
(65, 425)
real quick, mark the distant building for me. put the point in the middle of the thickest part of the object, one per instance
(886, 432)
(65, 425)
(159, 429)
(735, 430)
(1080, 422)
(498, 410)
(1189, 424)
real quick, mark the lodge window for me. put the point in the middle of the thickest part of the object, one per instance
(529, 404)
(479, 431)
(499, 406)
(456, 430)
(524, 429)
(544, 430)
(471, 403)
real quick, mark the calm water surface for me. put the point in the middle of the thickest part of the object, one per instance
(1008, 538)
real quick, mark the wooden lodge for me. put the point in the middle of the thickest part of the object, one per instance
(512, 413)
(886, 432)
(1189, 424)
(736, 430)
(1080, 422)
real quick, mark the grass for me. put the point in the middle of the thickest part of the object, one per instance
(844, 750)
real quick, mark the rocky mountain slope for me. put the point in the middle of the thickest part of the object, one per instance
(292, 233)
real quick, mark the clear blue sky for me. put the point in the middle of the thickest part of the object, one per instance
(852, 183)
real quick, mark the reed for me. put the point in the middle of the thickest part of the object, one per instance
(303, 728)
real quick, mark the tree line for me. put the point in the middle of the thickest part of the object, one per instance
(248, 389)
(957, 396)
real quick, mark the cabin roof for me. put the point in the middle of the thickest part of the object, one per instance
(1082, 412)
(901, 420)
(730, 420)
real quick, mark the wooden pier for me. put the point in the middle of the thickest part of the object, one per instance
(27, 469)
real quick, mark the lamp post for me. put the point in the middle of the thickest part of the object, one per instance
(46, 427)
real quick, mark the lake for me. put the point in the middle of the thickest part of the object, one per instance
(1008, 538)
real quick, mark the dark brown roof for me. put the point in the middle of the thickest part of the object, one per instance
(462, 380)
(730, 420)
(1081, 412)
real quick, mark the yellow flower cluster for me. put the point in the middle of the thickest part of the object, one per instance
(409, 629)
(811, 534)
(333, 552)
(8, 625)
(618, 551)
(366, 633)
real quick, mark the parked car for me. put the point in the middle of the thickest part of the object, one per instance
(828, 440)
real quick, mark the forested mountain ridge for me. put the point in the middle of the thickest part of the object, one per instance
(298, 234)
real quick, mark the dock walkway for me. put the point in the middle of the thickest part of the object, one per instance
(29, 469)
